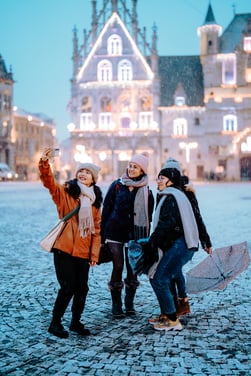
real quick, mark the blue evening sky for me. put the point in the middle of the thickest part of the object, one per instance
(36, 41)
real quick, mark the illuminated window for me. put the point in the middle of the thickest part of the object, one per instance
(146, 104)
(105, 116)
(230, 123)
(145, 120)
(125, 70)
(114, 45)
(247, 44)
(180, 127)
(229, 70)
(105, 121)
(104, 70)
(105, 104)
(180, 101)
(86, 121)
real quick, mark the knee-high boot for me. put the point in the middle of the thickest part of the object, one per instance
(117, 311)
(130, 291)
(129, 297)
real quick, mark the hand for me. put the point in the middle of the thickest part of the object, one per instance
(47, 154)
(92, 263)
(209, 250)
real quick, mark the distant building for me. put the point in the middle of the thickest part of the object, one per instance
(23, 135)
(31, 133)
(6, 94)
(125, 98)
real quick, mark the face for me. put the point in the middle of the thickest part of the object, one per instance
(134, 171)
(163, 182)
(85, 177)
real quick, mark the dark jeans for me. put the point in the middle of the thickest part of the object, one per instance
(72, 275)
(118, 260)
(169, 268)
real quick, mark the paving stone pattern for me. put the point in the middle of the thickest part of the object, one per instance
(216, 335)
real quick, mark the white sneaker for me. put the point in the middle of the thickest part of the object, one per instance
(168, 325)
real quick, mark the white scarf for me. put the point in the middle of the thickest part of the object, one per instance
(186, 213)
(85, 218)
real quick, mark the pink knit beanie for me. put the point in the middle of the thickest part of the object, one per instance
(141, 160)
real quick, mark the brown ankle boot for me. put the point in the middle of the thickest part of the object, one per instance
(182, 307)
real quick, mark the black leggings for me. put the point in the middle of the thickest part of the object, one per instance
(118, 259)
(72, 275)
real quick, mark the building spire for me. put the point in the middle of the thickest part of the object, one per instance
(114, 6)
(94, 20)
(210, 19)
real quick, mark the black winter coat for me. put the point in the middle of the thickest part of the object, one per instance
(117, 220)
(169, 227)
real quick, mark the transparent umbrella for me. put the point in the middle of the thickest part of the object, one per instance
(218, 269)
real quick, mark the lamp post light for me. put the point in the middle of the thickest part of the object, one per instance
(188, 146)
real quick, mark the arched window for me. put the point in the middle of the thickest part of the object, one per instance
(230, 123)
(125, 70)
(86, 114)
(180, 127)
(104, 70)
(114, 45)
(105, 116)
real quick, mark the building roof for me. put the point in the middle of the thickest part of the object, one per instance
(4, 74)
(185, 71)
(232, 36)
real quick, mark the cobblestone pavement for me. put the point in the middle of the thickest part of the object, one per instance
(216, 335)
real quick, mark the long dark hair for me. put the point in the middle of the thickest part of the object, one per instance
(72, 188)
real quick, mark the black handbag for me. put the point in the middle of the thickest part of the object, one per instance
(104, 254)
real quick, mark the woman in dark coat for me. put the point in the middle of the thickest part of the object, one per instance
(126, 215)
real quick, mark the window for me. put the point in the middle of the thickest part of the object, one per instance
(105, 116)
(105, 104)
(146, 104)
(197, 121)
(229, 70)
(86, 105)
(230, 123)
(145, 120)
(86, 121)
(247, 44)
(104, 70)
(125, 70)
(180, 101)
(180, 127)
(105, 121)
(114, 45)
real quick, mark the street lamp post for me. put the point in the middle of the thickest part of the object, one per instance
(188, 146)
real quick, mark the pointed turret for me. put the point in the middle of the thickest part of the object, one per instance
(94, 21)
(210, 19)
(75, 56)
(209, 34)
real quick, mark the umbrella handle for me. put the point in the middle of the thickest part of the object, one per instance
(218, 267)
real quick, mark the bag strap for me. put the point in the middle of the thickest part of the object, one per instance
(70, 214)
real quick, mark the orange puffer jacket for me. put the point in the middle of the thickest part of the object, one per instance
(70, 241)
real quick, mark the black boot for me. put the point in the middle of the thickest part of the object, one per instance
(78, 327)
(57, 329)
(129, 297)
(117, 311)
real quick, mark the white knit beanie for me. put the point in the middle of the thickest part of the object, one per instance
(141, 160)
(94, 169)
(172, 163)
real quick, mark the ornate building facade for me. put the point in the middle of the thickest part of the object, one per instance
(125, 98)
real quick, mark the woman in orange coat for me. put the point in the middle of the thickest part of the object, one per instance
(77, 247)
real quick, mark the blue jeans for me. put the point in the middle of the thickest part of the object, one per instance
(169, 268)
